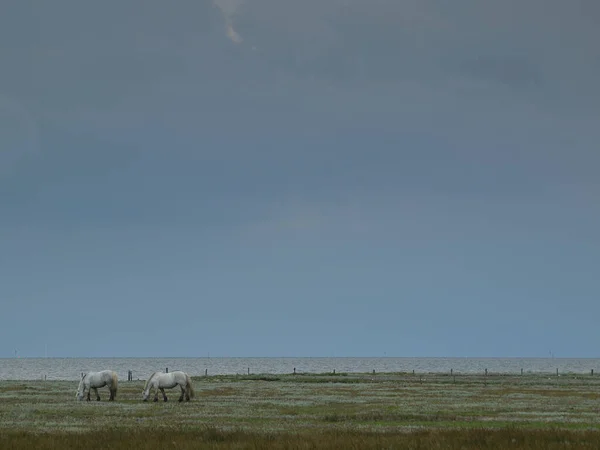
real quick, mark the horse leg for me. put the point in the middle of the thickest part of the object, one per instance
(97, 395)
(163, 393)
(89, 392)
(182, 392)
(112, 394)
(156, 394)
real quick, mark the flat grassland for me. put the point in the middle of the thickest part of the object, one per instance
(306, 411)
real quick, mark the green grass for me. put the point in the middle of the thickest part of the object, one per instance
(312, 411)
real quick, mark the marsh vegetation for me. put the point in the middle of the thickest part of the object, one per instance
(313, 411)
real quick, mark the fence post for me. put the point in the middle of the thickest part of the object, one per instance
(294, 371)
(167, 370)
(592, 372)
(205, 372)
(248, 370)
(521, 371)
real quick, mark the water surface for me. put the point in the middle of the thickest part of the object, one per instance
(71, 368)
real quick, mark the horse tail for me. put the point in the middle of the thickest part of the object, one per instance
(149, 379)
(115, 383)
(188, 386)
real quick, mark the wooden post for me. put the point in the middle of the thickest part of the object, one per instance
(592, 372)
(373, 371)
(450, 371)
(521, 371)
(248, 370)
(557, 371)
(205, 372)
(334, 371)
(167, 370)
(294, 371)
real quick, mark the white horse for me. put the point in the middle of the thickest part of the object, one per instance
(95, 380)
(160, 381)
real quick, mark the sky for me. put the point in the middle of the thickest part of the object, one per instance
(285, 178)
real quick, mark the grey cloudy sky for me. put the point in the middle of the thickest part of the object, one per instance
(314, 178)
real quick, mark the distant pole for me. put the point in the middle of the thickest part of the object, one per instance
(167, 370)
(294, 371)
(450, 371)
(521, 371)
(557, 371)
(206, 372)
(592, 372)
(334, 371)
(248, 370)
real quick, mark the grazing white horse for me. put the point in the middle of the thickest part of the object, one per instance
(159, 381)
(95, 380)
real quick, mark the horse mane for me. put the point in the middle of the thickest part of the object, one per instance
(149, 379)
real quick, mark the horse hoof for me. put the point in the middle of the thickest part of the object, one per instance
(155, 399)
(165, 399)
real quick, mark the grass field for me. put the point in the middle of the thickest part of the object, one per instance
(360, 411)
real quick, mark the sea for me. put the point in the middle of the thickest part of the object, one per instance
(141, 368)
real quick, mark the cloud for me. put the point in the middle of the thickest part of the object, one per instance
(232, 34)
(229, 9)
